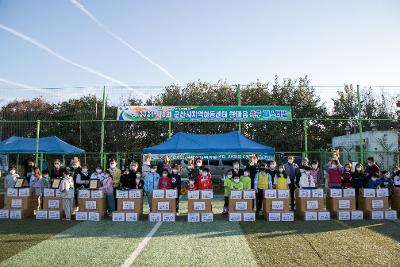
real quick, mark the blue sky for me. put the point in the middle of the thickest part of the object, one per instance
(334, 42)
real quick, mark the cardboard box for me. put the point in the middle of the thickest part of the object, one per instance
(19, 214)
(309, 204)
(168, 217)
(130, 204)
(235, 194)
(308, 215)
(317, 193)
(373, 203)
(287, 216)
(382, 192)
(249, 194)
(131, 216)
(367, 192)
(193, 217)
(249, 216)
(155, 217)
(390, 215)
(25, 203)
(92, 204)
(207, 217)
(270, 193)
(163, 205)
(395, 205)
(333, 192)
(97, 194)
(206, 194)
(273, 216)
(199, 205)
(81, 216)
(118, 216)
(41, 215)
(344, 215)
(4, 214)
(83, 193)
(324, 216)
(171, 193)
(396, 191)
(26, 192)
(122, 194)
(302, 193)
(158, 193)
(336, 203)
(283, 193)
(135, 193)
(374, 215)
(357, 215)
(240, 205)
(95, 216)
(52, 203)
(235, 216)
(275, 204)
(2, 196)
(194, 194)
(12, 192)
(349, 192)
(54, 215)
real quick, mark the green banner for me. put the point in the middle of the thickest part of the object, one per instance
(205, 113)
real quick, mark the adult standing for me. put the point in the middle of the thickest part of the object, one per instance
(371, 169)
(29, 170)
(146, 167)
(164, 165)
(236, 171)
(253, 168)
(291, 169)
(57, 171)
(116, 174)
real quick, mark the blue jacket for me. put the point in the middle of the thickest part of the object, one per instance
(151, 181)
(374, 184)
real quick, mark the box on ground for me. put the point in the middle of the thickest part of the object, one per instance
(199, 205)
(92, 204)
(54, 203)
(119, 216)
(373, 203)
(374, 215)
(275, 204)
(240, 205)
(274, 216)
(163, 205)
(25, 203)
(340, 203)
(309, 204)
(130, 204)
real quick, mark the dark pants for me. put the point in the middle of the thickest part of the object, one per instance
(260, 197)
(226, 202)
(292, 188)
(177, 201)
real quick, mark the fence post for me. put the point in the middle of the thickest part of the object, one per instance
(37, 142)
(305, 125)
(360, 125)
(239, 103)
(103, 115)
(169, 128)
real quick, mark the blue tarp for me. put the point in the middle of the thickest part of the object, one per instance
(47, 145)
(209, 143)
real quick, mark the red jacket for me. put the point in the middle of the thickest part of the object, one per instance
(346, 177)
(204, 184)
(335, 177)
(164, 183)
(191, 187)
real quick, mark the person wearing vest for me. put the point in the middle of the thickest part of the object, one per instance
(262, 182)
(83, 178)
(282, 181)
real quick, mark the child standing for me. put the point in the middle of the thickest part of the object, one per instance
(67, 193)
(346, 176)
(246, 180)
(334, 175)
(98, 175)
(165, 180)
(315, 173)
(204, 181)
(262, 181)
(227, 185)
(236, 184)
(176, 184)
(46, 181)
(191, 186)
(150, 183)
(11, 178)
(107, 187)
(36, 183)
(83, 178)
(387, 181)
(357, 179)
(138, 182)
(374, 182)
(282, 181)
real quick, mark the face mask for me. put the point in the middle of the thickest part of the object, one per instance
(12, 172)
(137, 179)
(152, 171)
(98, 170)
(57, 165)
(236, 166)
(314, 166)
(191, 182)
(358, 169)
(175, 171)
(370, 164)
(112, 165)
(236, 180)
(246, 174)
(165, 174)
(229, 176)
(272, 166)
(373, 179)
(387, 175)
(290, 161)
(46, 176)
(333, 166)
(281, 170)
(74, 166)
(84, 170)
(198, 164)
(138, 175)
(204, 174)
(190, 167)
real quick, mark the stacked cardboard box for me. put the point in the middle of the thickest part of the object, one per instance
(395, 203)
(19, 203)
(241, 206)
(342, 204)
(163, 205)
(310, 205)
(375, 204)
(91, 204)
(129, 205)
(52, 205)
(276, 205)
(199, 206)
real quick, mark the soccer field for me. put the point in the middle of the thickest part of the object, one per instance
(221, 243)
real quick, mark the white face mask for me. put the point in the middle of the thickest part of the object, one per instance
(98, 170)
(290, 161)
(199, 164)
(347, 169)
(229, 176)
(164, 174)
(373, 179)
(12, 172)
(333, 166)
(370, 164)
(314, 166)
(138, 175)
(113, 165)
(57, 165)
(281, 170)
(191, 182)
(175, 171)
(246, 174)
(359, 169)
(302, 171)
(236, 166)
(84, 170)
(236, 180)
(152, 171)
(204, 174)
(387, 175)
(137, 179)
(272, 166)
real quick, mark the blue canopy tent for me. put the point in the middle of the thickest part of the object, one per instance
(231, 142)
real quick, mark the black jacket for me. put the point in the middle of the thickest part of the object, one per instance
(357, 180)
(127, 180)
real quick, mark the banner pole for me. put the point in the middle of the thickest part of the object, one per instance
(37, 142)
(103, 115)
(239, 103)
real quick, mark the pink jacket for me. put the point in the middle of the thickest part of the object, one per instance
(107, 185)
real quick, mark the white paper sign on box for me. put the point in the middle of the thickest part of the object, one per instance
(158, 193)
(16, 203)
(324, 216)
(131, 217)
(377, 215)
(41, 215)
(199, 206)
(16, 214)
(283, 193)
(81, 216)
(4, 214)
(118, 217)
(334, 192)
(270, 193)
(54, 215)
(135, 193)
(58, 192)
(304, 193)
(317, 193)
(154, 217)
(168, 217)
(97, 193)
(274, 217)
(349, 192)
(128, 205)
(382, 192)
(25, 192)
(207, 194)
(310, 216)
(344, 204)
(343, 215)
(194, 194)
(236, 194)
(93, 216)
(277, 205)
(249, 194)
(390, 215)
(249, 217)
(287, 216)
(48, 192)
(312, 204)
(193, 217)
(241, 205)
(235, 217)
(53, 203)
(12, 192)
(368, 192)
(207, 217)
(377, 204)
(83, 193)
(122, 194)
(357, 215)
(163, 206)
(171, 193)
(90, 205)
